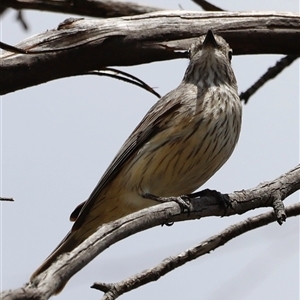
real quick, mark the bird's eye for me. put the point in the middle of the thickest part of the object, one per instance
(230, 55)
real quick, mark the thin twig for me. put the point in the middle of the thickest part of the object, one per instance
(20, 18)
(7, 199)
(271, 73)
(207, 6)
(121, 75)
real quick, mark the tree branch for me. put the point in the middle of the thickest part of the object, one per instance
(271, 73)
(117, 74)
(79, 46)
(21, 19)
(114, 290)
(7, 199)
(207, 6)
(70, 263)
(92, 8)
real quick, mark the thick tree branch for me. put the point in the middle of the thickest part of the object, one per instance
(92, 8)
(79, 46)
(114, 290)
(70, 263)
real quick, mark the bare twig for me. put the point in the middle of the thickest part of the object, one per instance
(6, 199)
(117, 74)
(20, 18)
(270, 74)
(114, 290)
(207, 5)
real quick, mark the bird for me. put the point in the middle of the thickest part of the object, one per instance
(181, 142)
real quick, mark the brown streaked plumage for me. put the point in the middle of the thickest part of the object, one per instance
(180, 143)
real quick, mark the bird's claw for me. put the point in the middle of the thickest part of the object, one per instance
(223, 199)
(183, 201)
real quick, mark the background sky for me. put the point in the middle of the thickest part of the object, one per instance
(58, 138)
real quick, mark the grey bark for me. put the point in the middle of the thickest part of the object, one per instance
(264, 195)
(78, 46)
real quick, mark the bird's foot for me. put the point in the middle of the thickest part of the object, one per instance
(223, 199)
(183, 201)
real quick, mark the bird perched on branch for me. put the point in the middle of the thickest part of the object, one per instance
(180, 143)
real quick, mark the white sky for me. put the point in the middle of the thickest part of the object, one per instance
(59, 137)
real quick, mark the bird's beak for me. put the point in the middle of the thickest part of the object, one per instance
(210, 40)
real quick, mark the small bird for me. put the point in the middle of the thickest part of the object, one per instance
(180, 143)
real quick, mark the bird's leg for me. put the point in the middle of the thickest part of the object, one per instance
(183, 201)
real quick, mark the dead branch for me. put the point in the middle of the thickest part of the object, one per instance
(114, 290)
(79, 46)
(70, 263)
(207, 6)
(21, 19)
(271, 73)
(117, 74)
(92, 8)
(6, 199)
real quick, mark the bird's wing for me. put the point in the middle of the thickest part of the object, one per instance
(152, 122)
(142, 133)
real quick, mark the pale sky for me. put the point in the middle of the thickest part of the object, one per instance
(59, 137)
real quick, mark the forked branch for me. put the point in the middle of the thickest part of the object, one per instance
(114, 290)
(263, 195)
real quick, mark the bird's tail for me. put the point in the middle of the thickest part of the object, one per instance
(69, 243)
